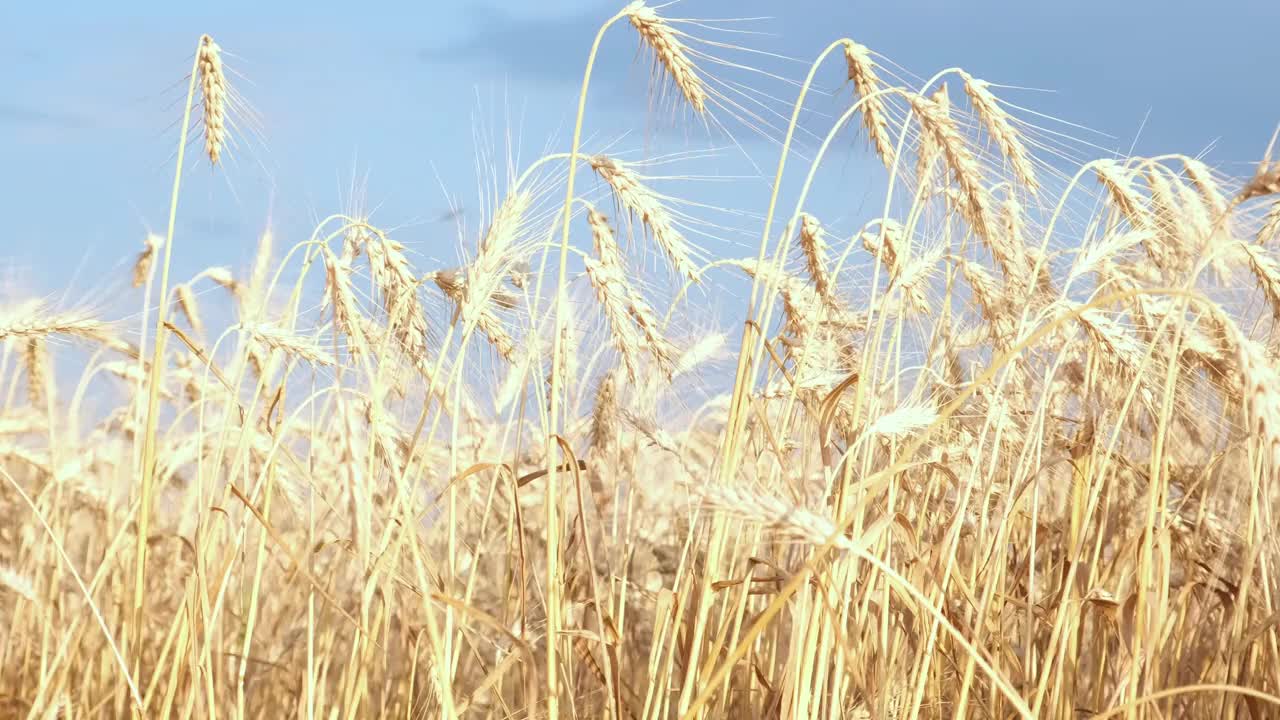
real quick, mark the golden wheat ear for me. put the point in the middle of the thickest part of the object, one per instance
(875, 113)
(669, 51)
(1266, 181)
(213, 95)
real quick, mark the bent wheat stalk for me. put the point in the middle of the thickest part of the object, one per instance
(206, 63)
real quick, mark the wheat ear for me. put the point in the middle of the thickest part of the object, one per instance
(213, 93)
(632, 320)
(642, 202)
(1002, 130)
(964, 167)
(866, 82)
(146, 258)
(656, 32)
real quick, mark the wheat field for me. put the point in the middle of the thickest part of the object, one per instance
(1007, 445)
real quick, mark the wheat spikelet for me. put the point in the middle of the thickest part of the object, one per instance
(124, 370)
(884, 243)
(519, 274)
(36, 361)
(290, 343)
(455, 284)
(975, 203)
(33, 319)
(799, 300)
(340, 293)
(1269, 231)
(927, 152)
(902, 421)
(255, 301)
(602, 437)
(1109, 335)
(786, 518)
(213, 92)
(1262, 397)
(1165, 246)
(475, 290)
(1267, 272)
(190, 309)
(568, 345)
(1266, 182)
(501, 236)
(632, 320)
(223, 276)
(912, 281)
(1117, 183)
(670, 51)
(875, 117)
(604, 416)
(142, 266)
(989, 294)
(1008, 248)
(389, 441)
(398, 286)
(1202, 177)
(702, 350)
(813, 245)
(642, 202)
(1195, 208)
(1000, 125)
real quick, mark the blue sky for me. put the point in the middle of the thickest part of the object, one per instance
(391, 92)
